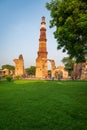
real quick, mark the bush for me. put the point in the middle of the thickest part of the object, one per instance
(8, 77)
(17, 77)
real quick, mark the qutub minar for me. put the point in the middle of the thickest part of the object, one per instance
(41, 61)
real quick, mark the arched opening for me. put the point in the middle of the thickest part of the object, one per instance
(52, 68)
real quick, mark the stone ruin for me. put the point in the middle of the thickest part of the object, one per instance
(41, 60)
(6, 72)
(60, 72)
(19, 66)
(80, 71)
(84, 71)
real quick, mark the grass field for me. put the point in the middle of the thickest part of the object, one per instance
(43, 105)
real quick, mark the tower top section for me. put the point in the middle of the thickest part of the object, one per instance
(20, 57)
(43, 30)
(43, 23)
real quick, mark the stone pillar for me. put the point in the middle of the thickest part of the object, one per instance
(19, 66)
(53, 67)
(84, 71)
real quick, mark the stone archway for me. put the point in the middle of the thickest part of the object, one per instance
(53, 67)
(42, 70)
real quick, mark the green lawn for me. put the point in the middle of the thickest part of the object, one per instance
(43, 105)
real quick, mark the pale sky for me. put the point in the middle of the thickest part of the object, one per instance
(20, 22)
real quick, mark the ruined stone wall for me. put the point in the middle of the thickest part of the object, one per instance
(60, 71)
(84, 71)
(41, 68)
(80, 71)
(19, 66)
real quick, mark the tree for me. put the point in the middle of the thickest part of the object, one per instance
(70, 19)
(10, 67)
(68, 63)
(31, 70)
(8, 77)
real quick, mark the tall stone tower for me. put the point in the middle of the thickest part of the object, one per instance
(41, 61)
(19, 66)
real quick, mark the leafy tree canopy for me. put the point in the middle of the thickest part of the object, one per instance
(31, 70)
(68, 63)
(70, 19)
(10, 67)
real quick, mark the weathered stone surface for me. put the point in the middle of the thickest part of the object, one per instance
(80, 71)
(41, 61)
(6, 72)
(84, 71)
(77, 71)
(60, 72)
(19, 66)
(53, 67)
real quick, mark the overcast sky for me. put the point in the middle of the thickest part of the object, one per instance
(20, 22)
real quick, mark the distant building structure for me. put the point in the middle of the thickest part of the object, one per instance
(6, 72)
(1, 73)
